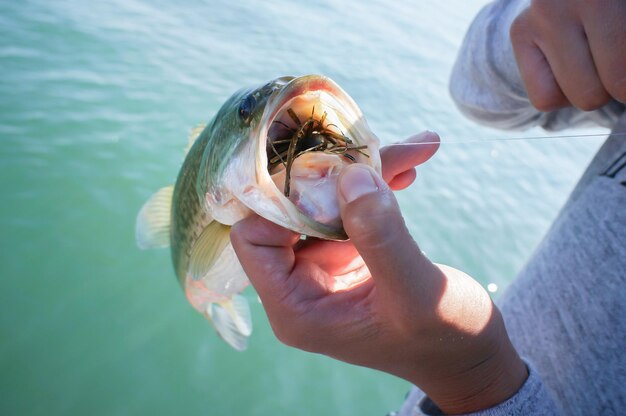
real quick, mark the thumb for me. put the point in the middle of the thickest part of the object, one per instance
(373, 221)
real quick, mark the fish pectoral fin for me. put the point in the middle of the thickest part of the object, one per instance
(207, 249)
(152, 228)
(231, 319)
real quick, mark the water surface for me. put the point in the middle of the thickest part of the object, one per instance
(97, 100)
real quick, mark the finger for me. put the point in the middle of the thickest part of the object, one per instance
(403, 180)
(334, 257)
(399, 161)
(284, 282)
(286, 287)
(373, 221)
(606, 33)
(541, 86)
(265, 250)
(574, 69)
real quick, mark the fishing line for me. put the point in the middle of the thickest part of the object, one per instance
(510, 139)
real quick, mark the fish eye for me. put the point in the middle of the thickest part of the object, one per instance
(246, 108)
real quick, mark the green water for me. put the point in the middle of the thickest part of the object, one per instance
(96, 102)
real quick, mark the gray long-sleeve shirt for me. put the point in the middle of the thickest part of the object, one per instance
(566, 311)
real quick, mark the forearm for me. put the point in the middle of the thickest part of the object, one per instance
(489, 370)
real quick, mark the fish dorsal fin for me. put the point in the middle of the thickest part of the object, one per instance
(207, 249)
(231, 319)
(152, 229)
(193, 135)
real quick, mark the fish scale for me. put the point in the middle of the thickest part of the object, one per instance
(188, 216)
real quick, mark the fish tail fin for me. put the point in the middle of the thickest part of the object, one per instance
(152, 228)
(231, 319)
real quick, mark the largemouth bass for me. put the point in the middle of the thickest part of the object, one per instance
(276, 150)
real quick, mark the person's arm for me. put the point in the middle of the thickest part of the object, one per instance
(540, 63)
(377, 300)
(532, 398)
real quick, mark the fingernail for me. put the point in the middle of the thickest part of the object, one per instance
(425, 136)
(355, 182)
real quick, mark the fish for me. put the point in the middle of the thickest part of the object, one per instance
(276, 150)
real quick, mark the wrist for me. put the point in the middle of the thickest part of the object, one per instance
(487, 382)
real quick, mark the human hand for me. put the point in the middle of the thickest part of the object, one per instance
(376, 300)
(572, 52)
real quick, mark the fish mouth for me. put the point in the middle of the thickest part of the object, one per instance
(307, 97)
(311, 130)
(312, 110)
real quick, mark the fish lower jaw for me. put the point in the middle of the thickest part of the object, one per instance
(313, 188)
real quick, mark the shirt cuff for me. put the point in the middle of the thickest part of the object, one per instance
(531, 399)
